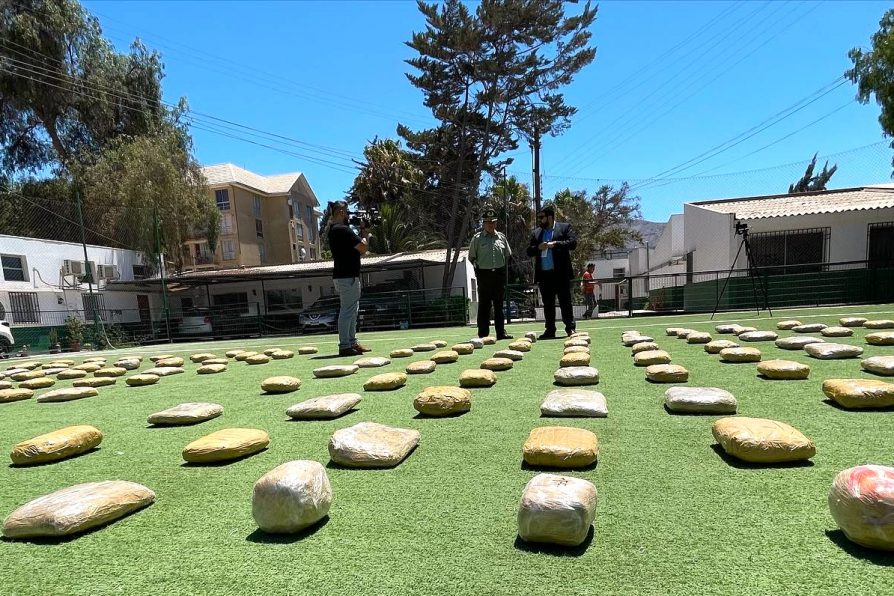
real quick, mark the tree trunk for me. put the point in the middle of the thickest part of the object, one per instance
(449, 257)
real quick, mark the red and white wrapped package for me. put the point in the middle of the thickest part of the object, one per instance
(862, 503)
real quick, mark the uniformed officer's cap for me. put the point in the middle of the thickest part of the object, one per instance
(489, 215)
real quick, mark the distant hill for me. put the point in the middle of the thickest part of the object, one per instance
(650, 231)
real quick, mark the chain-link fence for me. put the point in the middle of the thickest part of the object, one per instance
(41, 330)
(803, 284)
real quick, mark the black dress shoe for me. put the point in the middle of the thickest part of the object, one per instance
(505, 336)
(547, 335)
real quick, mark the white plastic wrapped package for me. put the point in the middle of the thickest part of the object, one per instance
(291, 497)
(556, 509)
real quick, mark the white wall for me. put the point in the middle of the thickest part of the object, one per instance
(44, 259)
(605, 267)
(58, 296)
(848, 231)
(709, 236)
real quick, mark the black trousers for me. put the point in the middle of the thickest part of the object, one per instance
(552, 285)
(491, 285)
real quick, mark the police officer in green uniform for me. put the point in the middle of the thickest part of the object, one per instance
(489, 253)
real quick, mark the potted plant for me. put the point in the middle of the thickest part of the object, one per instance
(53, 337)
(74, 330)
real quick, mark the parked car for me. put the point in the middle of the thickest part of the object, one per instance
(196, 322)
(6, 339)
(519, 311)
(321, 316)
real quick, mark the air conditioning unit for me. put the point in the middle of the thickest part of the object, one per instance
(107, 272)
(70, 267)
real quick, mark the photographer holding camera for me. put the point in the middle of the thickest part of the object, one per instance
(347, 246)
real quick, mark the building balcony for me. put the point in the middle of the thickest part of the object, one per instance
(193, 262)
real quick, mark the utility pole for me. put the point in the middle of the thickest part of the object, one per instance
(506, 227)
(161, 272)
(648, 268)
(89, 275)
(535, 146)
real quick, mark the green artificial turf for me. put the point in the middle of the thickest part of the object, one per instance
(674, 517)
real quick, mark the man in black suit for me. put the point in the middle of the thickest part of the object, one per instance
(551, 245)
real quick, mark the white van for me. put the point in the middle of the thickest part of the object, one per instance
(6, 340)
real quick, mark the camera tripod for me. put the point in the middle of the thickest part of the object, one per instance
(742, 230)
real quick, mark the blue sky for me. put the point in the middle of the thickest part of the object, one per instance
(671, 81)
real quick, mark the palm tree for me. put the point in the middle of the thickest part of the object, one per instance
(396, 233)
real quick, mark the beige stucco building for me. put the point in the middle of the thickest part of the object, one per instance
(265, 220)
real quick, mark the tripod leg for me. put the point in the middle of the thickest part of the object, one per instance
(752, 270)
(726, 281)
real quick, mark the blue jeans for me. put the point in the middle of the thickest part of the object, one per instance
(348, 290)
(590, 301)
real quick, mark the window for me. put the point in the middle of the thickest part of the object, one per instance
(226, 224)
(291, 210)
(236, 303)
(256, 205)
(259, 228)
(618, 272)
(285, 299)
(309, 210)
(222, 198)
(262, 252)
(880, 244)
(24, 307)
(14, 268)
(313, 253)
(140, 271)
(228, 249)
(94, 305)
(313, 234)
(808, 247)
(299, 230)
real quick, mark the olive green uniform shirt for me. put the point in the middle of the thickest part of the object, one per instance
(489, 251)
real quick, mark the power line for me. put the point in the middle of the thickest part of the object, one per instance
(9, 191)
(704, 176)
(192, 113)
(619, 141)
(203, 126)
(755, 130)
(266, 79)
(624, 134)
(665, 88)
(191, 117)
(780, 139)
(662, 56)
(195, 119)
(296, 89)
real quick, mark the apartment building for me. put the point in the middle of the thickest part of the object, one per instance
(265, 220)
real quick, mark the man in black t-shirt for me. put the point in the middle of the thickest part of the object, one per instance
(346, 247)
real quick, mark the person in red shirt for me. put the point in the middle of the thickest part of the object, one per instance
(589, 287)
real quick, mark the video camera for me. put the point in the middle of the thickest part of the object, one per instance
(366, 217)
(741, 228)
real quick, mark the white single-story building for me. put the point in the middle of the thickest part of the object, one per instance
(43, 282)
(842, 237)
(847, 225)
